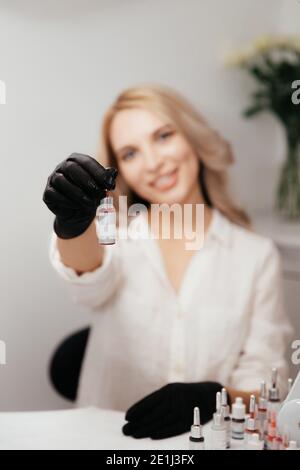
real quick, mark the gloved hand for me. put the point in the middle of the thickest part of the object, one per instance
(73, 193)
(169, 411)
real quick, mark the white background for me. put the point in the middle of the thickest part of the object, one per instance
(63, 63)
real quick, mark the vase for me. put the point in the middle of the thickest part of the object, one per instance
(288, 193)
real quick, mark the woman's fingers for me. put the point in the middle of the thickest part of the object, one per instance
(104, 178)
(159, 413)
(78, 175)
(162, 418)
(140, 432)
(71, 191)
(144, 406)
(53, 198)
(173, 429)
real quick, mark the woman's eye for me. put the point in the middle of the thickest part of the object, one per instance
(128, 155)
(165, 135)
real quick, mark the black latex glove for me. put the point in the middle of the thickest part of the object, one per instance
(169, 411)
(73, 193)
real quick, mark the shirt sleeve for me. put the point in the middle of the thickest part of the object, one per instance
(269, 328)
(91, 289)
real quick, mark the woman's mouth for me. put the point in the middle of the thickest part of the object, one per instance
(166, 181)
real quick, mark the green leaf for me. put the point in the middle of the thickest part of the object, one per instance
(253, 110)
(260, 74)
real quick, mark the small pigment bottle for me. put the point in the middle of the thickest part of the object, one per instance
(106, 221)
(238, 419)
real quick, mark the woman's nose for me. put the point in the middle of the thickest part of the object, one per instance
(153, 160)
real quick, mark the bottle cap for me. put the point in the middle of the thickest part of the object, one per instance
(238, 409)
(252, 404)
(263, 389)
(196, 428)
(224, 397)
(107, 201)
(274, 394)
(110, 177)
(196, 432)
(224, 403)
(196, 416)
(218, 401)
(274, 391)
(219, 418)
(262, 400)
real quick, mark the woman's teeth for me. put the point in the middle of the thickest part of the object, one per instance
(166, 181)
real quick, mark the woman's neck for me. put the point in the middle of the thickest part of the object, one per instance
(191, 223)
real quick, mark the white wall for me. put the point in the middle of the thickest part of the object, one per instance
(289, 16)
(63, 62)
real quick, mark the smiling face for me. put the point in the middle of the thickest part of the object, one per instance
(154, 158)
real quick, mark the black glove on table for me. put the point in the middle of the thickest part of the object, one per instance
(73, 193)
(169, 411)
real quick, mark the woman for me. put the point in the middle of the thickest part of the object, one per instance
(171, 325)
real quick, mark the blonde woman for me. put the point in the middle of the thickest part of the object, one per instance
(171, 326)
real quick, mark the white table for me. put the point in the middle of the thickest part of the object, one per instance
(85, 428)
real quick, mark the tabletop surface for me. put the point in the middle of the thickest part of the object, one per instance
(82, 428)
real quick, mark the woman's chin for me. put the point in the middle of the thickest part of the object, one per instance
(176, 196)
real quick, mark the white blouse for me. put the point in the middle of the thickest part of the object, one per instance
(226, 324)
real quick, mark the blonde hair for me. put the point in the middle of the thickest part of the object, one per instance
(214, 152)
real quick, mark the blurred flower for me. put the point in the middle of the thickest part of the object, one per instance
(240, 58)
(263, 44)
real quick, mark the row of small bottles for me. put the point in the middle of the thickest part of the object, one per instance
(257, 430)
